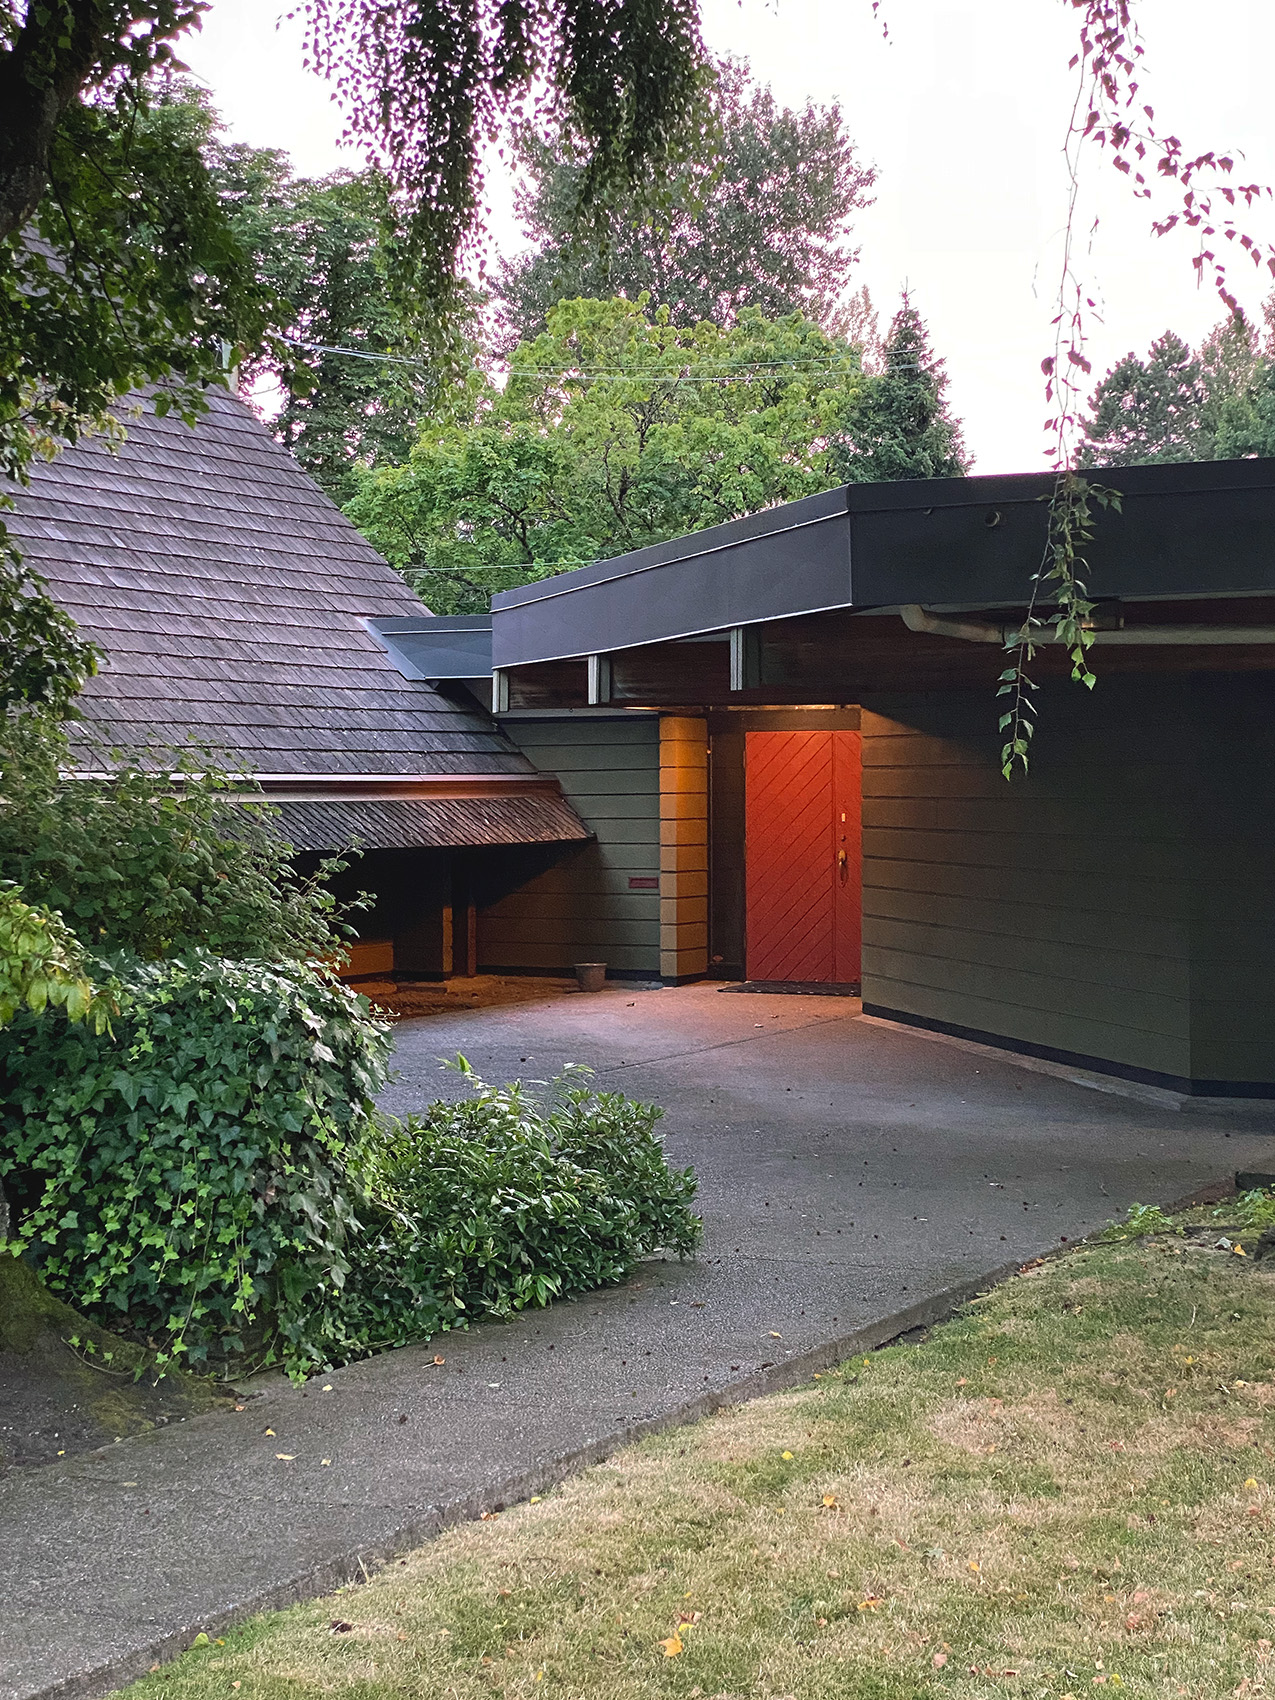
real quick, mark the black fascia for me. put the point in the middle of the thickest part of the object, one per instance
(784, 560)
(437, 646)
(1192, 529)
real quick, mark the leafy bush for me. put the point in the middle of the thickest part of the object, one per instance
(212, 1174)
(194, 1172)
(135, 862)
(1142, 1219)
(42, 964)
(498, 1202)
(1254, 1209)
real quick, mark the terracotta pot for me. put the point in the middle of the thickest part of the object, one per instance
(591, 975)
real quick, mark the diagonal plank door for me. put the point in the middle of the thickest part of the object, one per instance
(802, 856)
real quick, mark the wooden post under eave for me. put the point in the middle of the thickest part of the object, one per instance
(683, 847)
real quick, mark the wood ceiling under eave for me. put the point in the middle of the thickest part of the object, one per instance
(843, 657)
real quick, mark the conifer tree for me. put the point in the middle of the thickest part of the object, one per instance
(1147, 412)
(898, 424)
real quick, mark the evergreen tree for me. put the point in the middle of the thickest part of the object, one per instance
(758, 215)
(1246, 426)
(1149, 412)
(898, 424)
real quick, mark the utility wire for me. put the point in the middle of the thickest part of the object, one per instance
(746, 371)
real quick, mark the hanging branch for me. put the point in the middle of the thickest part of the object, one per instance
(1107, 113)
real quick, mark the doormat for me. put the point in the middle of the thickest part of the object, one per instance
(799, 988)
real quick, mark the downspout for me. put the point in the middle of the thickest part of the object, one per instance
(918, 619)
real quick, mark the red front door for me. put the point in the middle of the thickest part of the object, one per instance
(803, 877)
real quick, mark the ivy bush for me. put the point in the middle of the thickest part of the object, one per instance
(193, 1172)
(211, 1174)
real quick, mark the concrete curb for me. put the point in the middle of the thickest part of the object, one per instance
(360, 1563)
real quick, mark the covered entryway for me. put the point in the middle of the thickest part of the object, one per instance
(803, 872)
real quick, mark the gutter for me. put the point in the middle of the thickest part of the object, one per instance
(918, 619)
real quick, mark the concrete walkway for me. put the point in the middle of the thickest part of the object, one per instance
(854, 1178)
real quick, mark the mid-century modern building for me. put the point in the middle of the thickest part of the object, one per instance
(766, 751)
(784, 735)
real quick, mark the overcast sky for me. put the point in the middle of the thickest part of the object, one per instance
(963, 112)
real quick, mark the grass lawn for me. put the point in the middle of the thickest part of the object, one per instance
(1066, 1490)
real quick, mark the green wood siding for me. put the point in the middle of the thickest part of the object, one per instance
(581, 907)
(1118, 903)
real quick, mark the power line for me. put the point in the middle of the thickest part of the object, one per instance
(748, 371)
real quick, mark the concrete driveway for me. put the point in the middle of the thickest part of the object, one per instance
(847, 1166)
(855, 1180)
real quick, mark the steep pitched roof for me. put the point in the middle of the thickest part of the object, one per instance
(230, 598)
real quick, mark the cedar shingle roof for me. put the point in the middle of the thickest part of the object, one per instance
(229, 594)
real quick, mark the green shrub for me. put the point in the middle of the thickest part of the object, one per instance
(135, 862)
(194, 1171)
(42, 964)
(1142, 1219)
(212, 1175)
(497, 1202)
(1254, 1209)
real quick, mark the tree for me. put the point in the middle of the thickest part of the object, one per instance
(1177, 405)
(759, 216)
(899, 425)
(1147, 412)
(616, 428)
(118, 263)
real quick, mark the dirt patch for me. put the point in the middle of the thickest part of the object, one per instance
(408, 999)
(57, 1399)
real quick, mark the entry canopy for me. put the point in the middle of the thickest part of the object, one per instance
(1192, 530)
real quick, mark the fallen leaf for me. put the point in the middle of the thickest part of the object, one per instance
(872, 1603)
(671, 1646)
(775, 1336)
(325, 1461)
(287, 1457)
(339, 1626)
(437, 1360)
(830, 1500)
(270, 1432)
(785, 1454)
(201, 1640)
(939, 1660)
(535, 1499)
(1251, 1482)
(975, 1566)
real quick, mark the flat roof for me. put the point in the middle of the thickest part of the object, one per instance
(1191, 529)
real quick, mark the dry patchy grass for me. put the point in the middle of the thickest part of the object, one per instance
(1068, 1490)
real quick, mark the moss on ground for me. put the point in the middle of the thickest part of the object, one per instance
(1068, 1490)
(58, 1397)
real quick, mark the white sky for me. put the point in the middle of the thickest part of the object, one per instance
(963, 112)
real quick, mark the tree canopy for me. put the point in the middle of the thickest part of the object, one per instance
(759, 216)
(616, 428)
(1178, 404)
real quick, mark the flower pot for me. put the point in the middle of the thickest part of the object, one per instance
(591, 975)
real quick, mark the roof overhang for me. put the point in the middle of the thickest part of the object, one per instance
(1192, 530)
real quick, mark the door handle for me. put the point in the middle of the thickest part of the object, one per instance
(843, 864)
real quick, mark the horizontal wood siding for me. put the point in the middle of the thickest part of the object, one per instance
(1233, 891)
(581, 907)
(1054, 911)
